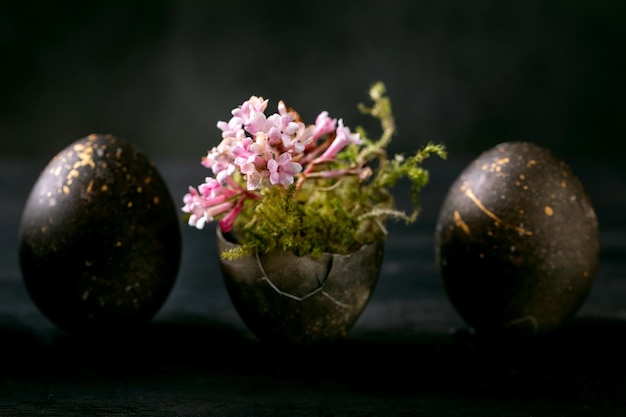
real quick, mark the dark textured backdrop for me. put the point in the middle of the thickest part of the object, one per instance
(160, 73)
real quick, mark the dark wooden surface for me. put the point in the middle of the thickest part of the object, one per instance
(408, 355)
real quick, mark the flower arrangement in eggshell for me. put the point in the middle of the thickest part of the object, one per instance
(279, 183)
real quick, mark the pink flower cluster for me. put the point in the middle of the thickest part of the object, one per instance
(266, 150)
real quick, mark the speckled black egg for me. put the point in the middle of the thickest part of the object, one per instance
(517, 241)
(99, 238)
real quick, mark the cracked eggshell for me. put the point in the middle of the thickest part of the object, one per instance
(517, 241)
(312, 302)
(99, 238)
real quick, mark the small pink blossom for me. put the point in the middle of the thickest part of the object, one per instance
(303, 137)
(254, 176)
(323, 125)
(242, 153)
(214, 191)
(193, 205)
(282, 170)
(257, 123)
(261, 146)
(233, 128)
(342, 139)
(282, 128)
(202, 210)
(249, 107)
(283, 110)
(220, 159)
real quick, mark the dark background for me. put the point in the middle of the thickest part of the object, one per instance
(161, 73)
(469, 74)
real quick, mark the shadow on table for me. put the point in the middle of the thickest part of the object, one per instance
(585, 358)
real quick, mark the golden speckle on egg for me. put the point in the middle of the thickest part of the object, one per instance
(492, 215)
(460, 223)
(548, 210)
